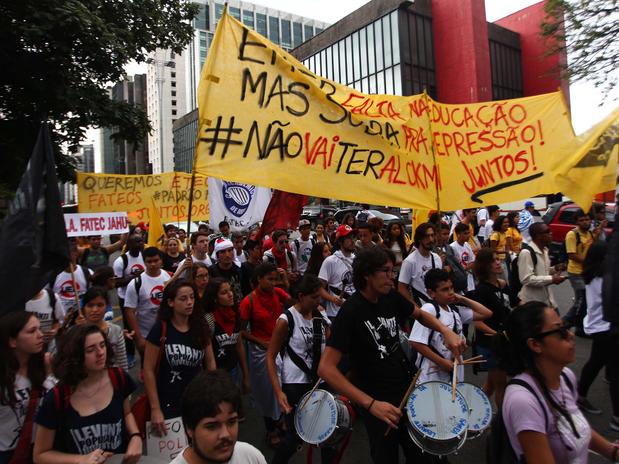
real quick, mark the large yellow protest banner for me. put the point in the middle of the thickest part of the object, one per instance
(169, 191)
(267, 120)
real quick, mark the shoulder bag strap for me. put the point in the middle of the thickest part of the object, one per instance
(526, 385)
(23, 450)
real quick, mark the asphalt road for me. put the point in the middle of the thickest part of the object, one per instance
(252, 430)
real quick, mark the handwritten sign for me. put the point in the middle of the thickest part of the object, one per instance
(167, 446)
(170, 191)
(80, 225)
(265, 119)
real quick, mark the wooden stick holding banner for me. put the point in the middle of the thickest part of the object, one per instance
(438, 198)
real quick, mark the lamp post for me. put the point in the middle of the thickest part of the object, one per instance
(160, 66)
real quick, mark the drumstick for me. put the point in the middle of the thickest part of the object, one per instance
(478, 361)
(310, 395)
(406, 395)
(474, 358)
(454, 380)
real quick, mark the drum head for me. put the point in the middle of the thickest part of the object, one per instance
(480, 413)
(436, 423)
(317, 421)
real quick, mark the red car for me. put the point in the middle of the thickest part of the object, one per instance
(560, 218)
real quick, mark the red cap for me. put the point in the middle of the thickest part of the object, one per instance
(343, 231)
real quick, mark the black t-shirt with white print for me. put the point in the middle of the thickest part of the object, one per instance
(182, 360)
(76, 434)
(368, 333)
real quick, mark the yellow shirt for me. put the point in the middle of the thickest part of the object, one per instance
(580, 248)
(501, 238)
(516, 237)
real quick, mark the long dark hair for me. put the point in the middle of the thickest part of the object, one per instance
(388, 241)
(316, 258)
(10, 326)
(198, 328)
(210, 295)
(68, 365)
(593, 265)
(482, 267)
(513, 352)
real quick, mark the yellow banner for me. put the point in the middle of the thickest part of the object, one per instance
(170, 192)
(267, 120)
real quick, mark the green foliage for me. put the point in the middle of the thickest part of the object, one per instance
(589, 29)
(57, 58)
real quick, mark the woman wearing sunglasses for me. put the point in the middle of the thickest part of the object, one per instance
(540, 413)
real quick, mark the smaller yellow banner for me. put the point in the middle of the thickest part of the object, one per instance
(170, 191)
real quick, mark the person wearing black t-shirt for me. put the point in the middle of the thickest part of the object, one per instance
(173, 257)
(226, 266)
(493, 293)
(253, 248)
(366, 329)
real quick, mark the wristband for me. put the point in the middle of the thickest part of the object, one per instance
(135, 434)
(370, 406)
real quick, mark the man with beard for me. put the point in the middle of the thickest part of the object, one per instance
(226, 267)
(210, 409)
(366, 330)
(336, 271)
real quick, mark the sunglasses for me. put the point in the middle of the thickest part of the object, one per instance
(563, 331)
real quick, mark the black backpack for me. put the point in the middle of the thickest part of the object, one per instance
(459, 276)
(514, 279)
(498, 447)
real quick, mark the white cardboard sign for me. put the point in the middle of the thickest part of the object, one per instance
(83, 224)
(166, 446)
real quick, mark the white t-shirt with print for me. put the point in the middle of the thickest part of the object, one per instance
(135, 265)
(41, 306)
(146, 304)
(302, 343)
(415, 267)
(421, 333)
(244, 453)
(336, 270)
(63, 286)
(302, 253)
(465, 256)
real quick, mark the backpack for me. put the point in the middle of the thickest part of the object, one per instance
(437, 309)
(514, 279)
(459, 276)
(318, 322)
(86, 254)
(578, 242)
(271, 259)
(498, 447)
(297, 244)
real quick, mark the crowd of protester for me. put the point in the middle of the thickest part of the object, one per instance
(360, 305)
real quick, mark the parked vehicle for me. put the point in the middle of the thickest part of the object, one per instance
(386, 217)
(560, 218)
(315, 213)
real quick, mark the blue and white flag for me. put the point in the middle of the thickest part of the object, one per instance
(242, 205)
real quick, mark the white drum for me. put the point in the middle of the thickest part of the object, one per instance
(437, 424)
(480, 409)
(324, 418)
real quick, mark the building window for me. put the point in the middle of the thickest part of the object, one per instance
(506, 71)
(202, 20)
(261, 24)
(173, 84)
(286, 34)
(235, 12)
(174, 93)
(173, 112)
(274, 29)
(248, 18)
(173, 102)
(172, 74)
(309, 31)
(219, 10)
(297, 33)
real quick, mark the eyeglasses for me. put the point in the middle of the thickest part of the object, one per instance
(563, 331)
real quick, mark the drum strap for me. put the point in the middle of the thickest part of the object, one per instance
(455, 328)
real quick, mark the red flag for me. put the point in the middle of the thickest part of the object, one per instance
(283, 212)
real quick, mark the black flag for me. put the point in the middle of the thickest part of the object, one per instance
(33, 240)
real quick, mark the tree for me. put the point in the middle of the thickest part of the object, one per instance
(57, 58)
(589, 30)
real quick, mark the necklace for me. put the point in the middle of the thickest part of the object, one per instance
(83, 392)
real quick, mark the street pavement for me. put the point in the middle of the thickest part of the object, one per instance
(252, 429)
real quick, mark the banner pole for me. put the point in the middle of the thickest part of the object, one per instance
(438, 198)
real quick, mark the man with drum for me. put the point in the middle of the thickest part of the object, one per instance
(366, 329)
